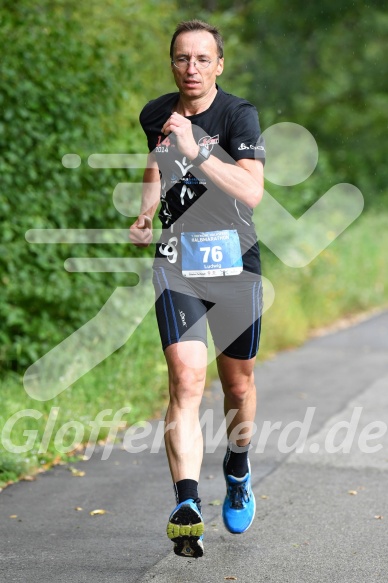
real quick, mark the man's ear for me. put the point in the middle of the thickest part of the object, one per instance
(220, 66)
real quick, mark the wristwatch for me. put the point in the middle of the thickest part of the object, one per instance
(203, 155)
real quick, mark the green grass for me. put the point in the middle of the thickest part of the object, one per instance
(133, 377)
(351, 276)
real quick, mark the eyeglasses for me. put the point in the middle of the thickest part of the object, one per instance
(183, 63)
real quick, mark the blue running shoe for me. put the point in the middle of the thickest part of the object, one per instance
(238, 510)
(185, 528)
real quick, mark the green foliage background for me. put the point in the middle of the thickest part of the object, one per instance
(67, 80)
(74, 77)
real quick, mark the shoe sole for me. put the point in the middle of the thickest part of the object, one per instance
(188, 547)
(185, 528)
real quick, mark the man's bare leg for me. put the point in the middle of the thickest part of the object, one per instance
(238, 384)
(237, 380)
(183, 437)
(184, 443)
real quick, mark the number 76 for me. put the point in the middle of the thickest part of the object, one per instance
(216, 253)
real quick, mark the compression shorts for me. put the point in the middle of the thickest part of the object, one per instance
(232, 306)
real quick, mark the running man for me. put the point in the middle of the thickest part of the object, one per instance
(205, 167)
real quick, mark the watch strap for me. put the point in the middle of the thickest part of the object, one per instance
(203, 155)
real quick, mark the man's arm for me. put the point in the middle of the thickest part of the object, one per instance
(140, 233)
(243, 180)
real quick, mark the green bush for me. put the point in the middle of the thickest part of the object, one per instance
(58, 88)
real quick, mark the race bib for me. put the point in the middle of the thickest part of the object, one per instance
(211, 254)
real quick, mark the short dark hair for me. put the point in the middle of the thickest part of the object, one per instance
(193, 25)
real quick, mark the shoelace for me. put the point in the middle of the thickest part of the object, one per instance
(238, 494)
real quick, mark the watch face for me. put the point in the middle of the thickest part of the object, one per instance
(204, 152)
(203, 155)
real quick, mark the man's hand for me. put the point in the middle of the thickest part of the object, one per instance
(140, 233)
(184, 134)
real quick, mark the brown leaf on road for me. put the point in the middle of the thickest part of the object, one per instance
(77, 473)
(231, 578)
(215, 503)
(379, 517)
(97, 512)
(78, 508)
(353, 492)
(29, 478)
(13, 516)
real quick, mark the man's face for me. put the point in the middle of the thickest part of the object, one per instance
(192, 81)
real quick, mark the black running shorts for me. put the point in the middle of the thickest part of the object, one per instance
(232, 306)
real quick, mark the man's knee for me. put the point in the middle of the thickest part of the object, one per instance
(239, 390)
(186, 386)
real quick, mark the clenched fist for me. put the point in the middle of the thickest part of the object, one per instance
(140, 233)
(183, 131)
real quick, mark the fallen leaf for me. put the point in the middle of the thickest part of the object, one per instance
(264, 497)
(77, 473)
(78, 508)
(215, 503)
(13, 516)
(58, 461)
(379, 517)
(231, 578)
(96, 512)
(352, 492)
(29, 478)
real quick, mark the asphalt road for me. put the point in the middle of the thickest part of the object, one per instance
(322, 514)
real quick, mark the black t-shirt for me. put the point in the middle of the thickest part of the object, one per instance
(230, 129)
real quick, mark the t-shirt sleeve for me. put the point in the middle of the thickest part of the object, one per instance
(245, 139)
(143, 119)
